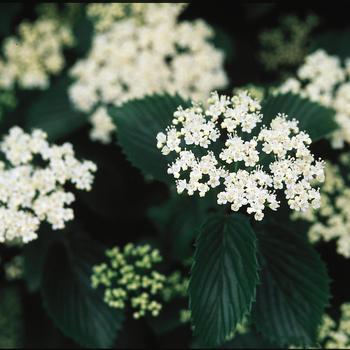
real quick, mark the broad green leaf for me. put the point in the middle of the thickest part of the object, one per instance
(294, 290)
(83, 33)
(223, 41)
(223, 277)
(77, 309)
(54, 113)
(316, 120)
(12, 322)
(335, 42)
(138, 122)
(169, 318)
(34, 254)
(178, 220)
(8, 12)
(250, 340)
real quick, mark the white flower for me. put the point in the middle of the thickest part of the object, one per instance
(102, 126)
(37, 52)
(29, 193)
(323, 79)
(240, 168)
(144, 53)
(332, 220)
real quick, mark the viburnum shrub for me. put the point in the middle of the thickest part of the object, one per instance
(197, 219)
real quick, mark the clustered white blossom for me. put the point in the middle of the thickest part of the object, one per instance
(336, 335)
(103, 126)
(134, 58)
(332, 220)
(37, 51)
(105, 15)
(32, 180)
(324, 79)
(239, 168)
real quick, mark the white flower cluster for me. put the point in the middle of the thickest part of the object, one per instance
(134, 58)
(336, 335)
(32, 183)
(105, 15)
(323, 79)
(332, 220)
(241, 163)
(30, 58)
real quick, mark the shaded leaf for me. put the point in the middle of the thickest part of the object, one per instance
(138, 122)
(294, 290)
(224, 42)
(77, 309)
(178, 221)
(223, 278)
(34, 254)
(335, 42)
(316, 120)
(250, 340)
(53, 112)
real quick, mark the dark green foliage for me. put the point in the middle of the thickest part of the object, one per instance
(178, 221)
(8, 12)
(54, 113)
(222, 41)
(223, 277)
(335, 42)
(77, 309)
(316, 120)
(138, 122)
(294, 288)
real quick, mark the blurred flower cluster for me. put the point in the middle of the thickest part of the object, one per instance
(286, 46)
(158, 48)
(332, 220)
(35, 54)
(32, 180)
(324, 79)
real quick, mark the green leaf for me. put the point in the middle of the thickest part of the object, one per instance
(294, 290)
(83, 31)
(223, 278)
(54, 113)
(34, 254)
(223, 41)
(168, 319)
(250, 340)
(335, 42)
(316, 120)
(138, 122)
(8, 12)
(178, 220)
(77, 309)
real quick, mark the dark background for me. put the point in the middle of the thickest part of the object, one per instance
(117, 214)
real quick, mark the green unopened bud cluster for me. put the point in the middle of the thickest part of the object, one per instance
(14, 268)
(287, 45)
(130, 278)
(7, 101)
(176, 287)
